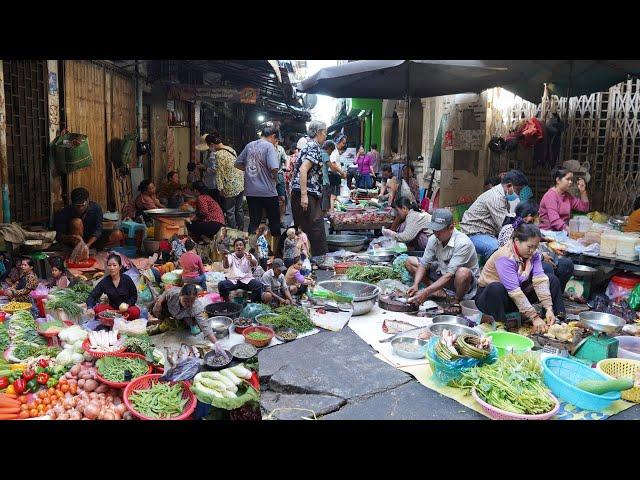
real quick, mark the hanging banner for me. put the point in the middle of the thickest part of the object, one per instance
(448, 140)
(212, 94)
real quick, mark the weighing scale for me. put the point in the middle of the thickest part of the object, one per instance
(599, 345)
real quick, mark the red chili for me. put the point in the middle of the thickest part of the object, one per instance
(29, 375)
(42, 378)
(4, 383)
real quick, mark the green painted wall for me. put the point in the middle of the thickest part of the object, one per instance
(372, 123)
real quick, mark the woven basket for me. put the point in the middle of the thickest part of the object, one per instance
(71, 158)
(499, 414)
(622, 367)
(147, 381)
(121, 355)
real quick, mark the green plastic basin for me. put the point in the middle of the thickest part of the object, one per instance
(506, 342)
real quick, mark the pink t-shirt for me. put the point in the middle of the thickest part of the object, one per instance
(555, 209)
(191, 264)
(364, 164)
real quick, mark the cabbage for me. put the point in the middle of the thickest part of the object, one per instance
(73, 334)
(65, 357)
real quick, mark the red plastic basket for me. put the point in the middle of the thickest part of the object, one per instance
(90, 262)
(146, 381)
(121, 355)
(96, 354)
(499, 414)
(109, 321)
(55, 334)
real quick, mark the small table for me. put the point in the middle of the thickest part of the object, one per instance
(629, 265)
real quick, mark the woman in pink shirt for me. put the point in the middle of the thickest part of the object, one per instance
(192, 267)
(557, 203)
(365, 168)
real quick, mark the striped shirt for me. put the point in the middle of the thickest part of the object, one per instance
(486, 215)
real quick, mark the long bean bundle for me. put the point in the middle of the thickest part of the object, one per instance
(162, 400)
(114, 368)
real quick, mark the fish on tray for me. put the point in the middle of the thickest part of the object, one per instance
(397, 326)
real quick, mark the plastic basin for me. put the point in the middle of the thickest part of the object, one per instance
(506, 342)
(470, 311)
(562, 374)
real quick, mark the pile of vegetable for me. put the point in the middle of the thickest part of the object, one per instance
(257, 335)
(227, 389)
(371, 274)
(35, 375)
(51, 326)
(141, 345)
(288, 316)
(24, 338)
(161, 401)
(513, 383)
(453, 347)
(77, 293)
(72, 339)
(67, 305)
(103, 341)
(114, 369)
(4, 337)
(13, 307)
(9, 407)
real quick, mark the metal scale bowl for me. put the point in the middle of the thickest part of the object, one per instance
(600, 344)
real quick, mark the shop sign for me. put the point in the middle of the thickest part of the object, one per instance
(448, 140)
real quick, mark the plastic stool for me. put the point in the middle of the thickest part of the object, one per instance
(130, 228)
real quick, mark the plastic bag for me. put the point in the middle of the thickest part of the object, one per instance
(446, 372)
(80, 252)
(251, 310)
(184, 370)
(399, 266)
(388, 286)
(634, 298)
(133, 328)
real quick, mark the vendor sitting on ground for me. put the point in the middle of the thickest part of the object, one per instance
(633, 223)
(296, 282)
(240, 276)
(184, 304)
(527, 212)
(192, 266)
(410, 225)
(486, 216)
(81, 219)
(449, 261)
(276, 292)
(26, 284)
(61, 277)
(146, 200)
(119, 289)
(513, 278)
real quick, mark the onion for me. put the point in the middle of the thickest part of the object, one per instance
(66, 405)
(109, 416)
(75, 415)
(121, 409)
(93, 395)
(117, 401)
(102, 389)
(75, 370)
(127, 416)
(81, 382)
(91, 411)
(64, 416)
(90, 385)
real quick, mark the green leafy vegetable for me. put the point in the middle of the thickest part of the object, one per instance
(160, 401)
(4, 337)
(114, 368)
(70, 307)
(371, 274)
(513, 383)
(288, 316)
(141, 345)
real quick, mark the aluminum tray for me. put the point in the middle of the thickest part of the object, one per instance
(169, 212)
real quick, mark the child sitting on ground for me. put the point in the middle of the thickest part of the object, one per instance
(296, 282)
(290, 246)
(177, 247)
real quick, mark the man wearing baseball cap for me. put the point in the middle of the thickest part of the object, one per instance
(275, 287)
(449, 262)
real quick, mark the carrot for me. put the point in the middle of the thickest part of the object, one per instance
(10, 395)
(5, 399)
(8, 403)
(8, 416)
(10, 410)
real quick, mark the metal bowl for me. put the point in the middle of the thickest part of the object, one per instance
(582, 271)
(248, 347)
(382, 256)
(437, 328)
(169, 212)
(420, 352)
(280, 331)
(346, 240)
(602, 322)
(210, 366)
(365, 294)
(451, 320)
(220, 326)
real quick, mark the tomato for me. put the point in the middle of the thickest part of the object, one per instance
(41, 407)
(73, 389)
(33, 413)
(51, 391)
(24, 407)
(23, 399)
(63, 381)
(42, 394)
(65, 388)
(60, 395)
(46, 400)
(37, 401)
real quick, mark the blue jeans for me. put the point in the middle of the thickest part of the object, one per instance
(199, 280)
(485, 244)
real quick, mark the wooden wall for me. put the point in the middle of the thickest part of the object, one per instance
(101, 104)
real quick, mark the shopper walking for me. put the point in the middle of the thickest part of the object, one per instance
(230, 182)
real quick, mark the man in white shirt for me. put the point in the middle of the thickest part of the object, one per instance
(240, 275)
(336, 173)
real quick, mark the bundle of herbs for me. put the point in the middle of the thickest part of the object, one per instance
(288, 316)
(513, 383)
(371, 274)
(66, 304)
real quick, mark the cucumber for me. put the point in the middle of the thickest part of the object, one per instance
(600, 387)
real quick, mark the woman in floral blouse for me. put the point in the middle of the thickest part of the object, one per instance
(209, 217)
(28, 282)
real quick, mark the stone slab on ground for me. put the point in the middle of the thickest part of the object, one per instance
(333, 363)
(411, 401)
(319, 404)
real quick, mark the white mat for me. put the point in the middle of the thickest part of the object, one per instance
(369, 328)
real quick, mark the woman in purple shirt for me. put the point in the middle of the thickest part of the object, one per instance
(365, 168)
(557, 203)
